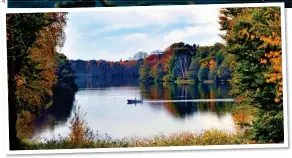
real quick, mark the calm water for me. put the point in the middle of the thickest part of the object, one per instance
(164, 110)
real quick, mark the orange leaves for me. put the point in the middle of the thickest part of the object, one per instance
(77, 132)
(272, 40)
(212, 65)
(263, 61)
(128, 63)
(153, 59)
(212, 62)
(239, 99)
(275, 58)
(277, 100)
(19, 80)
(25, 124)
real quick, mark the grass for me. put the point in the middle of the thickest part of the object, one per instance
(208, 137)
(81, 136)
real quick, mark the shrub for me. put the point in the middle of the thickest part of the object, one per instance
(269, 127)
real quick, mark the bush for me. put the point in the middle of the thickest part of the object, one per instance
(269, 128)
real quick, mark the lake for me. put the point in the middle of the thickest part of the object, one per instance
(167, 108)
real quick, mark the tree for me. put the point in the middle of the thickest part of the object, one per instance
(213, 70)
(203, 73)
(156, 52)
(145, 72)
(219, 58)
(224, 73)
(29, 76)
(183, 53)
(18, 31)
(140, 55)
(158, 73)
(253, 36)
(193, 70)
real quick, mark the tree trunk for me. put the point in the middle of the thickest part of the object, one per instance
(14, 142)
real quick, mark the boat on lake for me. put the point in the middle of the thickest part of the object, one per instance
(135, 101)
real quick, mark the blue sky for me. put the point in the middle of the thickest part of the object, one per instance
(114, 35)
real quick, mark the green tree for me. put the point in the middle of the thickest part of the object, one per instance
(203, 73)
(193, 70)
(253, 36)
(158, 72)
(145, 72)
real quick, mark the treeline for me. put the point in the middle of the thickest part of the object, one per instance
(179, 62)
(191, 63)
(253, 37)
(106, 71)
(35, 68)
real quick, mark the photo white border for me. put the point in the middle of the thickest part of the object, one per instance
(169, 148)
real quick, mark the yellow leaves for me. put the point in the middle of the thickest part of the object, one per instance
(277, 100)
(204, 63)
(263, 61)
(281, 89)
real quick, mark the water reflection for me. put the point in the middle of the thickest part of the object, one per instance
(108, 112)
(58, 113)
(167, 91)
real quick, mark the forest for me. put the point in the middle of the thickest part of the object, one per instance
(179, 62)
(250, 60)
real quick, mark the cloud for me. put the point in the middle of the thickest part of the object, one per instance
(112, 35)
(70, 43)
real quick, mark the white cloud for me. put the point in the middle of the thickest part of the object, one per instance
(134, 37)
(199, 26)
(70, 43)
(194, 31)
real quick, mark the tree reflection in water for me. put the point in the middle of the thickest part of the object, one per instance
(60, 111)
(172, 91)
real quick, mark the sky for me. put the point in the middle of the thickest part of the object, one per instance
(119, 34)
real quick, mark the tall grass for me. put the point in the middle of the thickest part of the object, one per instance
(81, 136)
(208, 137)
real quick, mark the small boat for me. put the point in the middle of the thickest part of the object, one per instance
(135, 101)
